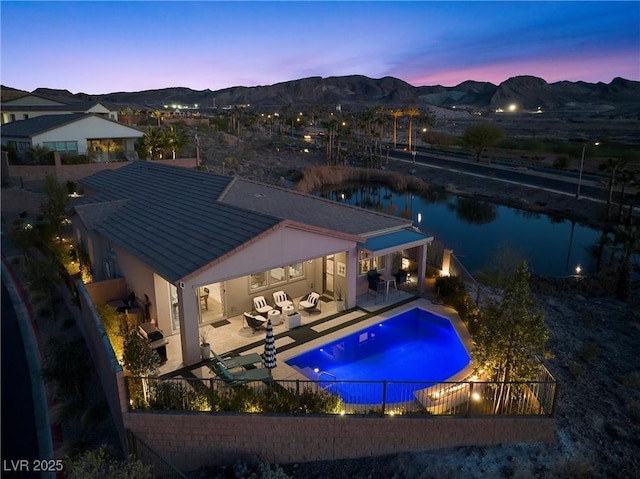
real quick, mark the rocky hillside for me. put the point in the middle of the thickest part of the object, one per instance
(618, 99)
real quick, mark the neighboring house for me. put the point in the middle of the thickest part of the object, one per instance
(73, 134)
(172, 232)
(32, 106)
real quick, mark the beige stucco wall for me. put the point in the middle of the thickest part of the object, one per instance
(91, 127)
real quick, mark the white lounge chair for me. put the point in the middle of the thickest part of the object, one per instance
(260, 305)
(310, 303)
(281, 300)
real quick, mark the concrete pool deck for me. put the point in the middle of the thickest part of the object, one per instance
(291, 343)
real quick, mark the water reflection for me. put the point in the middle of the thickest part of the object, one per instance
(474, 211)
(479, 231)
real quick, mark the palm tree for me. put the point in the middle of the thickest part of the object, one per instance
(395, 114)
(626, 178)
(411, 112)
(153, 142)
(39, 154)
(174, 139)
(380, 122)
(332, 127)
(611, 165)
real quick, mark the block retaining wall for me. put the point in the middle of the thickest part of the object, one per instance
(190, 441)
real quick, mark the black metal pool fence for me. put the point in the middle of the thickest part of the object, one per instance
(466, 398)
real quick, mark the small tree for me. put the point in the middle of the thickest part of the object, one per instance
(478, 137)
(512, 335)
(53, 209)
(138, 358)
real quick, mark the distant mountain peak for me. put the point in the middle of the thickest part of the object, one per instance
(359, 91)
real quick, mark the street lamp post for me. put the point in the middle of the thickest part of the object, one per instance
(584, 148)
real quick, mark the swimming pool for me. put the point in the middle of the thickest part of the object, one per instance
(416, 346)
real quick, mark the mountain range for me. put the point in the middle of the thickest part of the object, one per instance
(618, 99)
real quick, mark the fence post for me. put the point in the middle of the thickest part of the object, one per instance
(297, 396)
(384, 396)
(213, 396)
(470, 399)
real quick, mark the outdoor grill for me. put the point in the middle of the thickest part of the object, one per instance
(155, 337)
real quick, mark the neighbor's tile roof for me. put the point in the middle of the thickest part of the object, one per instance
(38, 124)
(308, 209)
(171, 218)
(79, 107)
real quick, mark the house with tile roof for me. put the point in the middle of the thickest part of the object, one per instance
(33, 105)
(176, 233)
(101, 138)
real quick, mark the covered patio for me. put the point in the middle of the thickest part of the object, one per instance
(233, 337)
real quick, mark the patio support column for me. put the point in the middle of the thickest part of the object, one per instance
(422, 266)
(189, 331)
(352, 276)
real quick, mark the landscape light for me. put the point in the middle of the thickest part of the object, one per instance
(578, 269)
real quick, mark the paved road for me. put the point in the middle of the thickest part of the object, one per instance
(590, 187)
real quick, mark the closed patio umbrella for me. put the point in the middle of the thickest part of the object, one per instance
(270, 348)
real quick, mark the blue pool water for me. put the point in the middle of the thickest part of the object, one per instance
(415, 346)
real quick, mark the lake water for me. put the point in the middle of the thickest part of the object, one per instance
(477, 230)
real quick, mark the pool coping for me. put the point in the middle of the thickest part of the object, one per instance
(284, 372)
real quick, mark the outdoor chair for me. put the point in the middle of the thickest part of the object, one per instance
(376, 284)
(281, 300)
(238, 361)
(310, 303)
(255, 322)
(260, 305)
(401, 276)
(242, 377)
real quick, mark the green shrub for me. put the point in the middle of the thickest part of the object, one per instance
(576, 370)
(449, 288)
(589, 352)
(176, 396)
(98, 464)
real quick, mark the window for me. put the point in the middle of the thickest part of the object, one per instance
(366, 264)
(276, 276)
(296, 271)
(257, 281)
(25, 116)
(62, 146)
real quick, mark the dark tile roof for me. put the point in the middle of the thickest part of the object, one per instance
(171, 220)
(78, 107)
(178, 220)
(38, 124)
(308, 209)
